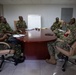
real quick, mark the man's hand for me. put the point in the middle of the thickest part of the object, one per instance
(5, 36)
(60, 40)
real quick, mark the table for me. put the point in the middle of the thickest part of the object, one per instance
(35, 43)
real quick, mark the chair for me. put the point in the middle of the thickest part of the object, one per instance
(66, 60)
(5, 50)
(15, 24)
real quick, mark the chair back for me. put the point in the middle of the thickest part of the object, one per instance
(15, 24)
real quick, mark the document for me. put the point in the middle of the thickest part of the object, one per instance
(18, 35)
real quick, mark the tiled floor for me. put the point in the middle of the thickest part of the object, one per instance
(37, 67)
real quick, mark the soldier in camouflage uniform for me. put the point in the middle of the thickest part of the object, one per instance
(69, 40)
(4, 26)
(21, 24)
(56, 25)
(64, 44)
(3, 37)
(6, 29)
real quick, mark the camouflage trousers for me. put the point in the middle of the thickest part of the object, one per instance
(15, 45)
(52, 47)
(17, 49)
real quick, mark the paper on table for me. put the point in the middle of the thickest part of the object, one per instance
(29, 29)
(18, 35)
(61, 30)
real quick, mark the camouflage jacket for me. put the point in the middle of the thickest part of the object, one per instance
(60, 34)
(72, 36)
(56, 26)
(5, 27)
(21, 24)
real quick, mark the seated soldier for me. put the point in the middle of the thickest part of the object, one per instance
(3, 37)
(21, 24)
(56, 25)
(65, 45)
(15, 44)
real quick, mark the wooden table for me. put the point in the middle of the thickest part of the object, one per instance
(35, 43)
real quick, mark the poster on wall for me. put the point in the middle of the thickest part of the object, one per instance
(34, 21)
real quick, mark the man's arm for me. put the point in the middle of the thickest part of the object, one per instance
(4, 37)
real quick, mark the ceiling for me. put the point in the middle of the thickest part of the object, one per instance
(37, 1)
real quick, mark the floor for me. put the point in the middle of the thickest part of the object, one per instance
(37, 67)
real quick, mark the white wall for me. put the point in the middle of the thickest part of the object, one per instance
(47, 12)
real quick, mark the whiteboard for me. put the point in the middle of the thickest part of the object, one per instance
(34, 21)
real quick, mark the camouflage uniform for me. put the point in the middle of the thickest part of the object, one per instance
(55, 27)
(14, 45)
(5, 27)
(21, 24)
(68, 41)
